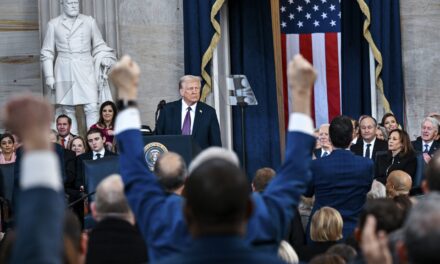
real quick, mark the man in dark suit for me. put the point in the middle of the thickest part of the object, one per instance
(96, 141)
(324, 142)
(64, 124)
(342, 179)
(160, 216)
(426, 143)
(369, 145)
(114, 239)
(188, 116)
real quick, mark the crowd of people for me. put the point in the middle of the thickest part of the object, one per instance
(352, 191)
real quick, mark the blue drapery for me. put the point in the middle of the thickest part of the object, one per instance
(386, 34)
(252, 54)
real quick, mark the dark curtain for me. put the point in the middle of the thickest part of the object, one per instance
(356, 96)
(252, 55)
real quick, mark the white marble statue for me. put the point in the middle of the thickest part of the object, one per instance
(79, 76)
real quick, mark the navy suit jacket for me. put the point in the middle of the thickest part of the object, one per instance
(160, 216)
(418, 146)
(221, 249)
(80, 167)
(379, 145)
(206, 130)
(342, 181)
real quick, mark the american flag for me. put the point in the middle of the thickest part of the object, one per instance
(313, 29)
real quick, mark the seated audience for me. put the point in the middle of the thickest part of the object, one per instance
(432, 181)
(400, 156)
(389, 122)
(208, 192)
(7, 154)
(78, 145)
(381, 133)
(170, 169)
(341, 180)
(295, 235)
(115, 239)
(95, 140)
(348, 253)
(368, 145)
(54, 138)
(324, 142)
(287, 254)
(427, 143)
(398, 183)
(378, 190)
(325, 231)
(106, 122)
(262, 178)
(39, 216)
(64, 125)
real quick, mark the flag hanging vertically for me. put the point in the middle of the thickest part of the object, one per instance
(312, 28)
(201, 36)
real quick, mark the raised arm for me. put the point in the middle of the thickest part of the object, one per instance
(40, 206)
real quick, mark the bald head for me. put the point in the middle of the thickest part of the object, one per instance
(398, 183)
(171, 171)
(110, 199)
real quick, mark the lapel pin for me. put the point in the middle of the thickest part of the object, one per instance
(200, 111)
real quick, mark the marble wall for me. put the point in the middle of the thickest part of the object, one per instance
(152, 33)
(19, 48)
(421, 59)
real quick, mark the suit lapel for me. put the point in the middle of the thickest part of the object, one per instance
(198, 115)
(77, 24)
(178, 115)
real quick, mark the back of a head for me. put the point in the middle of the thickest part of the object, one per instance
(326, 225)
(433, 173)
(348, 253)
(398, 183)
(422, 231)
(110, 198)
(286, 253)
(377, 190)
(217, 197)
(341, 131)
(327, 259)
(389, 216)
(72, 238)
(262, 178)
(171, 171)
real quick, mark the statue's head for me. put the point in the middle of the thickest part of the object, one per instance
(70, 7)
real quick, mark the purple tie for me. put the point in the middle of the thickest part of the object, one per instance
(186, 128)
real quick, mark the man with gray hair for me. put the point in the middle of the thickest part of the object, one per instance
(115, 239)
(427, 143)
(189, 116)
(171, 172)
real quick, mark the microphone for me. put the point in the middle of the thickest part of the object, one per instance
(161, 104)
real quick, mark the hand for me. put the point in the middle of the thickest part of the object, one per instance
(107, 62)
(375, 247)
(29, 117)
(125, 76)
(301, 76)
(426, 157)
(50, 83)
(110, 132)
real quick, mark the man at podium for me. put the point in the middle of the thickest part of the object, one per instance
(188, 116)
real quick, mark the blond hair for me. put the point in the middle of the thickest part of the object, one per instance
(326, 225)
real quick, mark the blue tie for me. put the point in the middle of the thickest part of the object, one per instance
(426, 148)
(186, 128)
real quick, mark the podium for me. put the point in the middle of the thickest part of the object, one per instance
(185, 146)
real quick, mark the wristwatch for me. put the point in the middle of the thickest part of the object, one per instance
(123, 104)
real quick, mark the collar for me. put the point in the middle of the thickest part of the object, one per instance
(185, 106)
(372, 143)
(102, 152)
(426, 143)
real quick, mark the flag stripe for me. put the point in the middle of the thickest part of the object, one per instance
(332, 67)
(319, 62)
(340, 71)
(305, 47)
(292, 48)
(285, 81)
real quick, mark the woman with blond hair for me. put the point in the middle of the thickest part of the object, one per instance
(325, 231)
